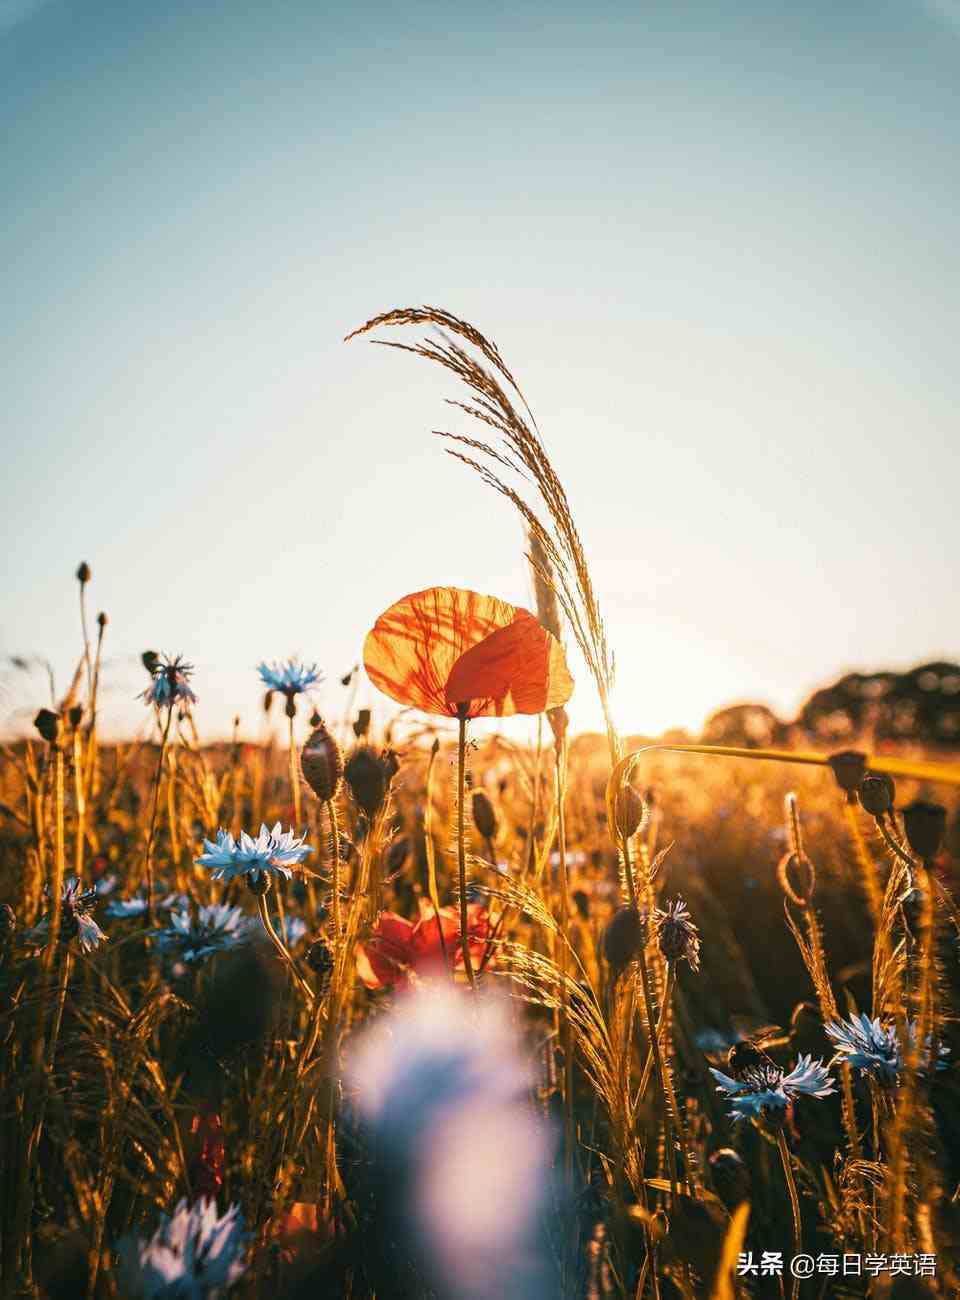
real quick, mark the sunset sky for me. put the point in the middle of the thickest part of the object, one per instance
(716, 242)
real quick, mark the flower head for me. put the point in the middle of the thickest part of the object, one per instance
(216, 928)
(273, 852)
(874, 1047)
(170, 683)
(401, 952)
(195, 1255)
(763, 1090)
(445, 650)
(76, 921)
(290, 678)
(677, 933)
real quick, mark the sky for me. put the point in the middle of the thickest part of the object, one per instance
(714, 241)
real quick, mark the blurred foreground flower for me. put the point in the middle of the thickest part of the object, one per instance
(170, 683)
(463, 1162)
(76, 921)
(216, 928)
(874, 1047)
(399, 951)
(195, 1255)
(763, 1090)
(272, 852)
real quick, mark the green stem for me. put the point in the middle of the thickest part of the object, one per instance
(461, 844)
(794, 1205)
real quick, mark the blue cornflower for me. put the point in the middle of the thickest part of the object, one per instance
(124, 908)
(217, 927)
(874, 1047)
(764, 1089)
(170, 683)
(76, 922)
(290, 678)
(272, 852)
(195, 1255)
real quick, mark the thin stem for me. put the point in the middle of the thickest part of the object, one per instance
(794, 1205)
(294, 777)
(566, 1035)
(158, 777)
(461, 844)
(661, 1072)
(335, 868)
(282, 948)
(868, 871)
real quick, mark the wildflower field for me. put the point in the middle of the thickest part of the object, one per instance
(430, 1012)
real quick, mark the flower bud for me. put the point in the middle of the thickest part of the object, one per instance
(83, 573)
(320, 960)
(624, 936)
(258, 882)
(362, 724)
(849, 767)
(366, 775)
(925, 825)
(321, 762)
(75, 716)
(581, 900)
(731, 1177)
(484, 818)
(877, 793)
(48, 724)
(291, 706)
(102, 620)
(629, 811)
(150, 659)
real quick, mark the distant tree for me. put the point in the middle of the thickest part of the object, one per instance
(747, 726)
(922, 705)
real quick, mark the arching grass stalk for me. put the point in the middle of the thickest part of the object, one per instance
(461, 842)
(558, 721)
(868, 870)
(794, 1204)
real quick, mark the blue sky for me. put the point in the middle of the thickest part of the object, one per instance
(715, 242)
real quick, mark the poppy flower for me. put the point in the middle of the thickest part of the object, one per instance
(444, 648)
(399, 950)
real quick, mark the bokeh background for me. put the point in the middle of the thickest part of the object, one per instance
(715, 241)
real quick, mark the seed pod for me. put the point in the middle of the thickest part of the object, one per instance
(315, 719)
(877, 793)
(48, 724)
(925, 824)
(581, 901)
(849, 767)
(321, 762)
(102, 620)
(320, 960)
(362, 724)
(366, 775)
(629, 811)
(731, 1177)
(83, 573)
(484, 818)
(397, 854)
(258, 882)
(624, 936)
(75, 716)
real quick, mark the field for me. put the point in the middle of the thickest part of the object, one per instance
(701, 1039)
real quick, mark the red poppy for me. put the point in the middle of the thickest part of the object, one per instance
(400, 951)
(439, 649)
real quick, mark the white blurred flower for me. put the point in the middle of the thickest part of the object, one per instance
(443, 1089)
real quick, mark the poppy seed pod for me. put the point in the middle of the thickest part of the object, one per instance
(83, 573)
(321, 762)
(484, 818)
(629, 810)
(362, 723)
(624, 936)
(925, 825)
(368, 777)
(320, 960)
(849, 766)
(48, 724)
(877, 793)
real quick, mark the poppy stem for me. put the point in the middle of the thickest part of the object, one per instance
(461, 845)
